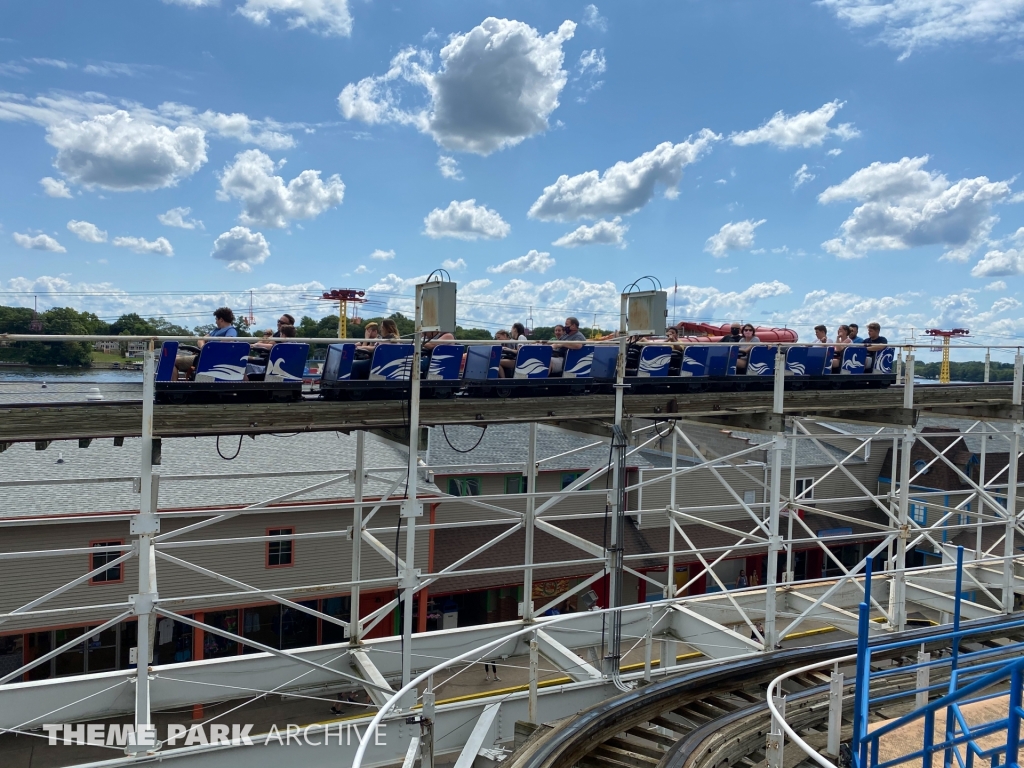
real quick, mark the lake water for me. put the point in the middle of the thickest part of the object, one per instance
(84, 375)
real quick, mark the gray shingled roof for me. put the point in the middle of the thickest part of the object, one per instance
(505, 444)
(262, 456)
(807, 453)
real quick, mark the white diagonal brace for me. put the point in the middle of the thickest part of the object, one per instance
(259, 646)
(73, 583)
(563, 658)
(249, 588)
(477, 738)
(378, 688)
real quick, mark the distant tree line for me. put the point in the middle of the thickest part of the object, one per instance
(69, 321)
(61, 321)
(973, 370)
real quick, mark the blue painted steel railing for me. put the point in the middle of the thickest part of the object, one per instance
(972, 674)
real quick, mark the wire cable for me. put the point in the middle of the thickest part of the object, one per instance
(238, 451)
(483, 431)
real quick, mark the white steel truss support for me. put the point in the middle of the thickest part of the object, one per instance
(574, 666)
(379, 689)
(709, 569)
(261, 647)
(724, 483)
(898, 606)
(529, 522)
(354, 633)
(1011, 504)
(249, 588)
(145, 526)
(481, 734)
(771, 634)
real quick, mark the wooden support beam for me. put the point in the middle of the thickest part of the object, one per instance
(42, 445)
(882, 417)
(749, 410)
(754, 422)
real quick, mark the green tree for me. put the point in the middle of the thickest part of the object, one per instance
(65, 321)
(472, 334)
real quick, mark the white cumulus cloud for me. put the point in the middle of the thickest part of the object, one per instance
(907, 25)
(458, 265)
(592, 62)
(602, 232)
(54, 187)
(496, 86)
(327, 17)
(109, 300)
(534, 261)
(905, 206)
(804, 129)
(362, 269)
(624, 188)
(267, 201)
(466, 220)
(241, 249)
(734, 236)
(39, 243)
(592, 18)
(87, 231)
(382, 255)
(161, 246)
(176, 218)
(267, 133)
(996, 285)
(117, 152)
(802, 176)
(1000, 263)
(449, 167)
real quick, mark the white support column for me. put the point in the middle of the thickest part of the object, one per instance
(1011, 490)
(144, 526)
(1011, 518)
(978, 548)
(534, 658)
(355, 633)
(670, 576)
(427, 727)
(411, 508)
(790, 577)
(528, 522)
(771, 638)
(923, 679)
(648, 643)
(899, 603)
(776, 738)
(835, 713)
(988, 363)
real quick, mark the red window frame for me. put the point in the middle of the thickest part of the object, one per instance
(291, 544)
(119, 566)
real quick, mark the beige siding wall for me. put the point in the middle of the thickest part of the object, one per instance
(580, 502)
(316, 561)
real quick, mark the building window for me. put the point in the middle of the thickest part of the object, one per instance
(803, 488)
(568, 478)
(515, 484)
(918, 512)
(280, 553)
(464, 486)
(114, 573)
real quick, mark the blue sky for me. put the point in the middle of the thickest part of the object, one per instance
(785, 162)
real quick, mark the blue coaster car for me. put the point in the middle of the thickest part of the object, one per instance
(227, 371)
(386, 374)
